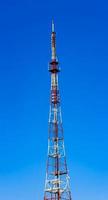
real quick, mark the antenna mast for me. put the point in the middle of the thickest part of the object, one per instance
(57, 185)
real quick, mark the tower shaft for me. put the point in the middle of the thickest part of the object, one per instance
(57, 179)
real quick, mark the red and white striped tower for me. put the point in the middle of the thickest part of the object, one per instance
(57, 179)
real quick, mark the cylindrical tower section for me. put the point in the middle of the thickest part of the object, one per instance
(53, 43)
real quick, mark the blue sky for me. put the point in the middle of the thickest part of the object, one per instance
(82, 49)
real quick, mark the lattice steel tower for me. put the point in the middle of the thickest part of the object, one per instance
(57, 179)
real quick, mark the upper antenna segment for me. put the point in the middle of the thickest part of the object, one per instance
(54, 61)
(52, 26)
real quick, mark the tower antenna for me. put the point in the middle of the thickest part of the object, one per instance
(57, 185)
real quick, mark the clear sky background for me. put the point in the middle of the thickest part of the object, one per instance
(82, 49)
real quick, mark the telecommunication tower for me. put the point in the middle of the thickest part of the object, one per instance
(57, 186)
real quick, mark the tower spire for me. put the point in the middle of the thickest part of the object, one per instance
(53, 42)
(52, 25)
